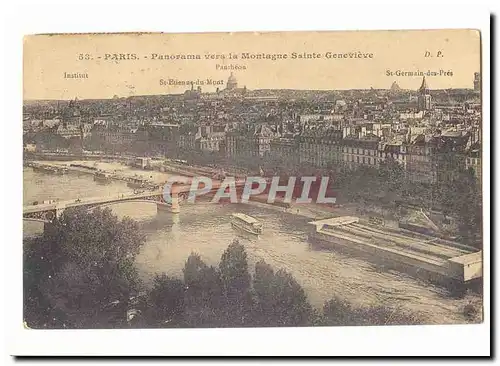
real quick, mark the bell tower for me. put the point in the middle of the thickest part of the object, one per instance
(424, 97)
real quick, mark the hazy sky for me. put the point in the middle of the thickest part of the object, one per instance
(48, 57)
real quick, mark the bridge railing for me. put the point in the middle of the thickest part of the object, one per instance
(116, 197)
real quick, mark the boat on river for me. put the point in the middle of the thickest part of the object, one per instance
(42, 168)
(247, 223)
(102, 177)
(137, 183)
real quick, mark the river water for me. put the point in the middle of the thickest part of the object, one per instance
(205, 228)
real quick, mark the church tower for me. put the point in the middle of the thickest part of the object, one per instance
(424, 97)
(477, 82)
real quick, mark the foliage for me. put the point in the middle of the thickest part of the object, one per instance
(340, 312)
(83, 262)
(456, 193)
(48, 139)
(167, 300)
(280, 300)
(263, 283)
(473, 311)
(234, 271)
(81, 274)
(461, 197)
(393, 173)
(466, 204)
(235, 279)
(203, 293)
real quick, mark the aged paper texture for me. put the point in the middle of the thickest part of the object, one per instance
(252, 179)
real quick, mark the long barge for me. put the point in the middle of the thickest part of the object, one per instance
(415, 254)
(42, 168)
(103, 177)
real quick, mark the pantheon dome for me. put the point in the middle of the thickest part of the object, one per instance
(232, 83)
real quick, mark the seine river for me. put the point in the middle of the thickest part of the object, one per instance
(205, 229)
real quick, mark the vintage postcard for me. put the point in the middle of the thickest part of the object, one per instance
(279, 179)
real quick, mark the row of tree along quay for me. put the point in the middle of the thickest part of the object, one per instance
(387, 188)
(80, 273)
(457, 193)
(459, 197)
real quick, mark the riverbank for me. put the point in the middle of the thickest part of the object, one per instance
(206, 229)
(161, 170)
(316, 211)
(115, 170)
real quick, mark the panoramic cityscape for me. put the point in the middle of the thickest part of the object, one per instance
(401, 244)
(286, 179)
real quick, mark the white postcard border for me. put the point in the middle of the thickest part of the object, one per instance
(93, 16)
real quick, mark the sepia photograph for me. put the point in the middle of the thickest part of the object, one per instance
(272, 180)
(281, 179)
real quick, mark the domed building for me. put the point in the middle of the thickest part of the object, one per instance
(232, 83)
(232, 89)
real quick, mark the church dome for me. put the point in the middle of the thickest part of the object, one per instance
(232, 83)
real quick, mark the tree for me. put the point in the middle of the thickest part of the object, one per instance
(167, 300)
(468, 205)
(461, 197)
(280, 300)
(292, 308)
(338, 312)
(49, 139)
(264, 295)
(235, 279)
(83, 262)
(38, 312)
(393, 178)
(234, 270)
(203, 293)
(193, 272)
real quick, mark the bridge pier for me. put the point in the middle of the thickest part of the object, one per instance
(175, 206)
(59, 211)
(47, 226)
(172, 207)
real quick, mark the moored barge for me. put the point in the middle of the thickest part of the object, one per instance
(440, 258)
